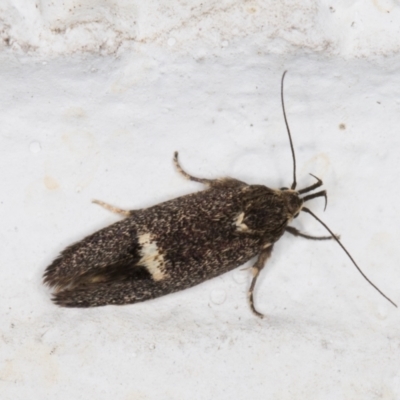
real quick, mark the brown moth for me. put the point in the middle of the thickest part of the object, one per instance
(182, 242)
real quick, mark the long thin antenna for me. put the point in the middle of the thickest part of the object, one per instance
(351, 258)
(294, 184)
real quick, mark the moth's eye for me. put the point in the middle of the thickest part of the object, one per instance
(284, 188)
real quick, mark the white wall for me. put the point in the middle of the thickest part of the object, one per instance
(95, 96)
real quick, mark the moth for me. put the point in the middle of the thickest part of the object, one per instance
(183, 242)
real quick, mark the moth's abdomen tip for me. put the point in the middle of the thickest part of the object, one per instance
(48, 280)
(51, 280)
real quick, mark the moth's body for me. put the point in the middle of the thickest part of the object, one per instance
(182, 242)
(173, 245)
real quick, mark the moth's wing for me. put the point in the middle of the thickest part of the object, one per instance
(112, 252)
(114, 292)
(110, 266)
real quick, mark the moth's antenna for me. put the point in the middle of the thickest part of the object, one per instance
(351, 258)
(290, 136)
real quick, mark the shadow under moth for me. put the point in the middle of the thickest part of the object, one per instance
(183, 242)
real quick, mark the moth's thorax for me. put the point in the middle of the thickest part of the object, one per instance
(292, 201)
(265, 211)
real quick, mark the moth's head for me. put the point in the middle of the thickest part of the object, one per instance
(294, 202)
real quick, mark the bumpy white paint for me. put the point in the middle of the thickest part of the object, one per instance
(95, 96)
(343, 28)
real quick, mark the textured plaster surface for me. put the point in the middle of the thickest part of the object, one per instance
(96, 96)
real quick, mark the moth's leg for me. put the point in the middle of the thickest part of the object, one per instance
(222, 182)
(296, 232)
(113, 209)
(257, 267)
(207, 182)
